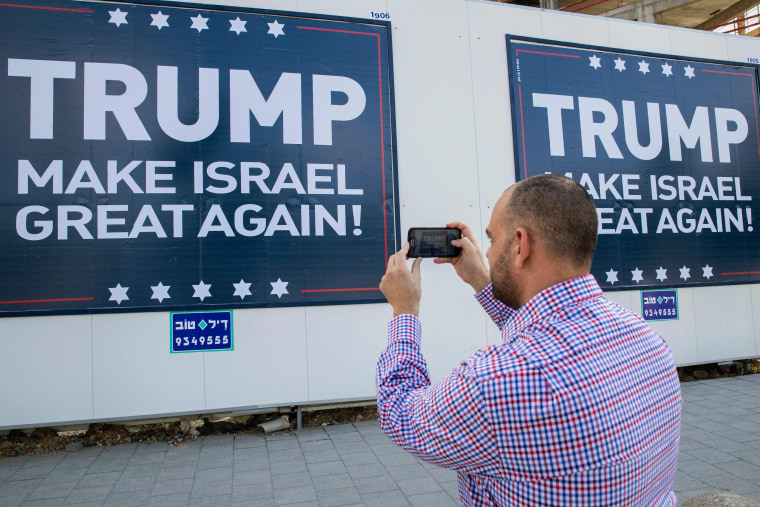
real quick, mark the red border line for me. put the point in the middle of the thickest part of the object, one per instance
(518, 51)
(45, 8)
(741, 273)
(754, 101)
(44, 301)
(339, 290)
(382, 141)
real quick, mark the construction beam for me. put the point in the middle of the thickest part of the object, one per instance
(734, 11)
(629, 11)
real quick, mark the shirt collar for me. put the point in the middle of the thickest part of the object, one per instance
(550, 300)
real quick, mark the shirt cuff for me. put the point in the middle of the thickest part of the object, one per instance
(405, 327)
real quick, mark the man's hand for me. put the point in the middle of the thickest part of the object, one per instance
(469, 265)
(402, 287)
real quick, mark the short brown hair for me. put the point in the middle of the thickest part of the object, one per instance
(560, 212)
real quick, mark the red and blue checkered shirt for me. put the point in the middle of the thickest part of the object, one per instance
(580, 404)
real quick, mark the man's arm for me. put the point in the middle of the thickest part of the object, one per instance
(445, 423)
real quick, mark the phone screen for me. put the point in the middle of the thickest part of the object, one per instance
(433, 242)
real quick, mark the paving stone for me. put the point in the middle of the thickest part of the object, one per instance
(218, 440)
(711, 455)
(299, 494)
(214, 474)
(317, 445)
(397, 459)
(217, 451)
(251, 465)
(327, 468)
(132, 471)
(215, 488)
(43, 492)
(287, 467)
(291, 480)
(111, 465)
(441, 499)
(321, 456)
(732, 483)
(285, 455)
(369, 470)
(392, 498)
(63, 476)
(172, 487)
(339, 428)
(312, 435)
(134, 484)
(246, 441)
(147, 458)
(95, 480)
(342, 496)
(43, 461)
(176, 500)
(213, 501)
(252, 477)
(359, 458)
(177, 472)
(741, 469)
(375, 484)
(216, 462)
(282, 445)
(127, 498)
(699, 469)
(408, 471)
(333, 482)
(347, 437)
(252, 492)
(349, 447)
(15, 488)
(82, 495)
(181, 460)
(25, 474)
(418, 486)
(152, 447)
(251, 453)
(48, 502)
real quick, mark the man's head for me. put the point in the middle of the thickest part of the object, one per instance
(543, 231)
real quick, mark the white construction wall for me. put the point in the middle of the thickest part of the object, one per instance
(455, 157)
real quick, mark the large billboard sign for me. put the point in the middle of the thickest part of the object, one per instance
(667, 147)
(160, 157)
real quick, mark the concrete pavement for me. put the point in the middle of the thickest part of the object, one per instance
(354, 464)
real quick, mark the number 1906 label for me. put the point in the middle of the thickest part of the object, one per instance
(201, 331)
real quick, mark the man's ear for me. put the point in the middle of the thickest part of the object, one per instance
(522, 247)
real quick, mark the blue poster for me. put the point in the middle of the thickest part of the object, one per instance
(667, 147)
(160, 157)
(201, 331)
(659, 304)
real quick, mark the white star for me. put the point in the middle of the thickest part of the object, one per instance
(667, 69)
(637, 275)
(159, 20)
(118, 293)
(199, 23)
(643, 67)
(685, 273)
(202, 291)
(160, 292)
(275, 29)
(707, 271)
(662, 274)
(612, 276)
(237, 25)
(242, 289)
(118, 18)
(620, 64)
(689, 71)
(279, 288)
(595, 62)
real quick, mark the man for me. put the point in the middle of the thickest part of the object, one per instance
(580, 404)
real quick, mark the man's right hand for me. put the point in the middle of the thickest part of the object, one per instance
(469, 265)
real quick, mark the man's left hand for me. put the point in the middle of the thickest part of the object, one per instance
(400, 285)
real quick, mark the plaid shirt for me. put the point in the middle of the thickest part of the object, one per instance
(580, 404)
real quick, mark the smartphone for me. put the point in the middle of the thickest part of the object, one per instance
(433, 242)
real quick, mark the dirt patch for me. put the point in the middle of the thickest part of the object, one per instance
(48, 441)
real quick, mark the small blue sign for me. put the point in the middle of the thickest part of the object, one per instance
(201, 331)
(659, 304)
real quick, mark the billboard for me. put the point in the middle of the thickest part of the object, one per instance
(667, 147)
(159, 157)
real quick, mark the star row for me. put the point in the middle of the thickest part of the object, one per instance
(160, 20)
(201, 291)
(637, 275)
(667, 70)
